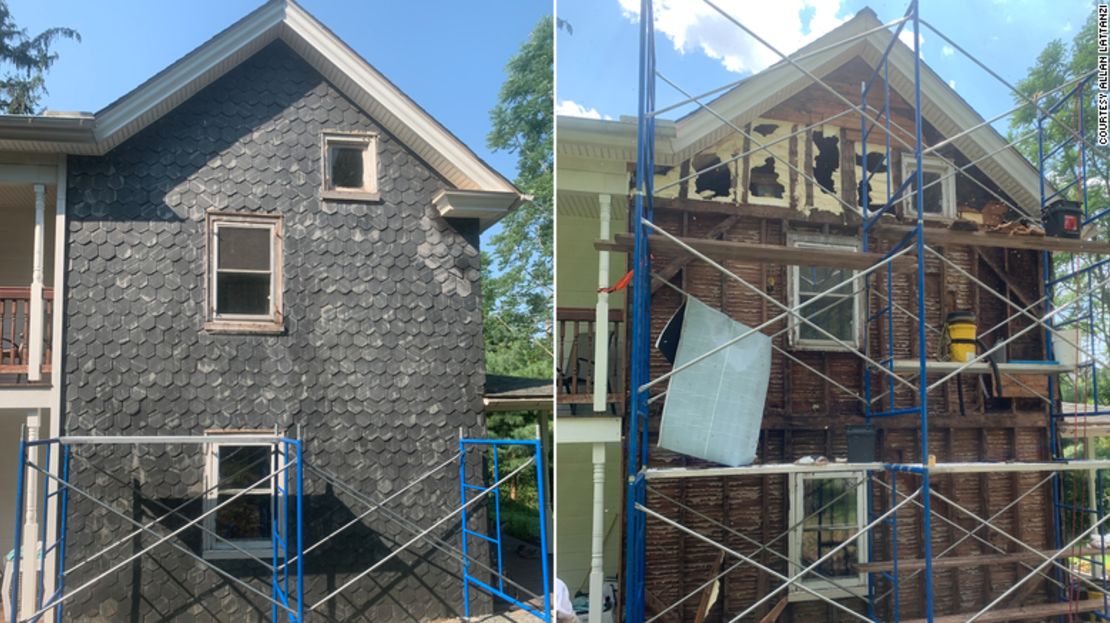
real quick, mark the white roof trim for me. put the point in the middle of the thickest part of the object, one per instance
(486, 206)
(941, 105)
(285, 20)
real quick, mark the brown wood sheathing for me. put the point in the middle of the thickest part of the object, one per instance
(806, 415)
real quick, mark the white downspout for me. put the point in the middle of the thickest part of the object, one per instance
(597, 548)
(601, 320)
(55, 430)
(34, 348)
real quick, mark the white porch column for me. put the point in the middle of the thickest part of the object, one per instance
(601, 320)
(30, 558)
(34, 348)
(597, 547)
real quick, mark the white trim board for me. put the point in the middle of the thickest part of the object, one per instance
(276, 20)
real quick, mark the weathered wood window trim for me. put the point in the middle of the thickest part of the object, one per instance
(367, 144)
(947, 185)
(213, 548)
(818, 241)
(268, 323)
(857, 583)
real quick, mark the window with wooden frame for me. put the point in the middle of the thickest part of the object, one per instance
(350, 166)
(244, 273)
(826, 510)
(244, 525)
(837, 312)
(940, 187)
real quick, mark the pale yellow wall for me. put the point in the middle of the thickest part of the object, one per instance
(576, 261)
(17, 225)
(574, 512)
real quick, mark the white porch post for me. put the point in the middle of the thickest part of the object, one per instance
(30, 558)
(34, 349)
(597, 548)
(601, 321)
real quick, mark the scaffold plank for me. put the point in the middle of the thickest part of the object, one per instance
(944, 236)
(766, 253)
(982, 367)
(915, 564)
(1038, 611)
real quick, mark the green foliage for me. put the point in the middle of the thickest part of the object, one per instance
(518, 278)
(25, 59)
(517, 272)
(1058, 65)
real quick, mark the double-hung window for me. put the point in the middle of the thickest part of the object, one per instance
(827, 510)
(244, 280)
(836, 313)
(247, 520)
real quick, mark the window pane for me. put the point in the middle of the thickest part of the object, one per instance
(838, 319)
(346, 166)
(934, 193)
(242, 293)
(248, 517)
(242, 466)
(245, 248)
(831, 518)
(817, 279)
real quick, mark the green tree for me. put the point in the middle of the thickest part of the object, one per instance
(26, 59)
(517, 271)
(1049, 80)
(518, 282)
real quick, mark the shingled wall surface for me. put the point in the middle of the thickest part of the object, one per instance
(379, 368)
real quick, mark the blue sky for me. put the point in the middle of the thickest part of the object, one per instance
(597, 63)
(450, 60)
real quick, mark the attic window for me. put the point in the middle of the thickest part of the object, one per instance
(350, 166)
(940, 187)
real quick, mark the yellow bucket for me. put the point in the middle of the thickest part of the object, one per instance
(960, 326)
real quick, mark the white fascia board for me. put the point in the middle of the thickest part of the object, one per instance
(1013, 173)
(588, 429)
(407, 112)
(486, 206)
(185, 72)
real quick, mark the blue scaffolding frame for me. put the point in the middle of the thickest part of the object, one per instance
(640, 317)
(496, 541)
(286, 585)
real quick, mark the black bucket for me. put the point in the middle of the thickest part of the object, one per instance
(861, 444)
(1063, 219)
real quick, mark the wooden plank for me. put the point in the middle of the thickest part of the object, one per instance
(773, 615)
(749, 252)
(705, 206)
(944, 236)
(978, 560)
(704, 604)
(945, 367)
(670, 270)
(1004, 276)
(1038, 611)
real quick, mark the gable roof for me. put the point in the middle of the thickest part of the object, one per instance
(276, 20)
(941, 106)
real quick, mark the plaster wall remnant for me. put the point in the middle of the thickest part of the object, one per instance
(877, 182)
(768, 174)
(826, 169)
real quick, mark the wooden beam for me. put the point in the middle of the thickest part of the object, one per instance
(1002, 274)
(670, 270)
(944, 236)
(771, 254)
(708, 206)
(704, 604)
(1039, 611)
(775, 612)
(979, 560)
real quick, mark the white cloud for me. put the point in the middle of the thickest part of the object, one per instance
(692, 25)
(906, 36)
(952, 84)
(571, 108)
(947, 50)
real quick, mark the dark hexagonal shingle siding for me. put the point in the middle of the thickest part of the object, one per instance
(379, 368)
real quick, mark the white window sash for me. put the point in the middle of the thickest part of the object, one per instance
(214, 547)
(855, 582)
(217, 225)
(796, 293)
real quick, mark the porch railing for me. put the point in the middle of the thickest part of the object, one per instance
(576, 332)
(15, 334)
